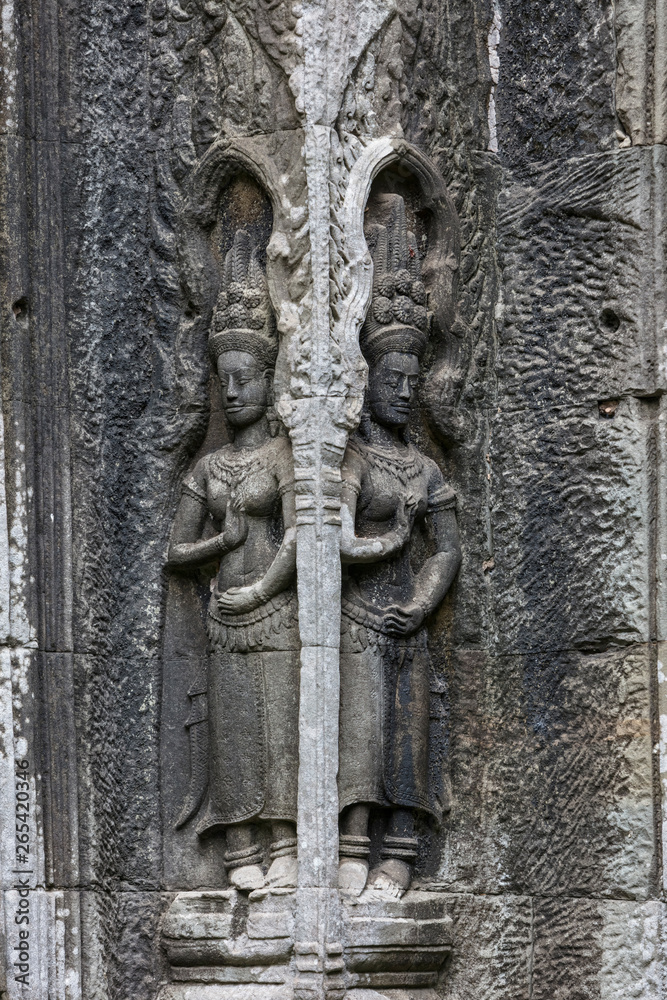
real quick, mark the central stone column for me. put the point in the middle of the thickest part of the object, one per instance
(333, 37)
(318, 447)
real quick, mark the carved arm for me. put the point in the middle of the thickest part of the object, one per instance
(186, 548)
(433, 580)
(278, 576)
(436, 575)
(368, 550)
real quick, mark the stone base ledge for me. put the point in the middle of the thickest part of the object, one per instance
(211, 991)
(225, 945)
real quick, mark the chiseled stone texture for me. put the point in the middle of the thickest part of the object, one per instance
(551, 749)
(545, 644)
(555, 96)
(562, 948)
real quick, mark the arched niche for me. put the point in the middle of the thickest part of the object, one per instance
(392, 165)
(225, 192)
(229, 190)
(232, 188)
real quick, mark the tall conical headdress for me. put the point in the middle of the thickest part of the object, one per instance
(243, 318)
(397, 319)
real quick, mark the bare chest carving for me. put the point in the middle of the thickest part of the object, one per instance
(293, 336)
(246, 481)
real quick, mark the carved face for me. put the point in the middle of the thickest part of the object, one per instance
(245, 387)
(392, 384)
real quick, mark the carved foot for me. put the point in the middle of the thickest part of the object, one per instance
(352, 875)
(247, 878)
(391, 877)
(282, 873)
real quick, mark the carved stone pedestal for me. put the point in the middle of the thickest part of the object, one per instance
(395, 948)
(227, 946)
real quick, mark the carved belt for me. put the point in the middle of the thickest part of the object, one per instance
(363, 615)
(264, 611)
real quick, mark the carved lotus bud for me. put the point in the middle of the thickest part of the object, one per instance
(418, 292)
(256, 319)
(403, 282)
(235, 291)
(382, 309)
(236, 314)
(385, 285)
(252, 298)
(420, 316)
(403, 309)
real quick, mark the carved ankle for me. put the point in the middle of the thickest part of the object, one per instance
(400, 848)
(350, 846)
(241, 859)
(283, 848)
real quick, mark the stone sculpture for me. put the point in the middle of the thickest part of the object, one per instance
(529, 142)
(390, 489)
(258, 938)
(245, 490)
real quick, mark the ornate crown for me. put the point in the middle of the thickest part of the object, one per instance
(243, 318)
(397, 319)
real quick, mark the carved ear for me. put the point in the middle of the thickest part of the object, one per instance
(269, 374)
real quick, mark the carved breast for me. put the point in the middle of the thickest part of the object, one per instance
(246, 479)
(390, 479)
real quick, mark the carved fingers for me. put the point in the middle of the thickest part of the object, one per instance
(240, 600)
(405, 518)
(403, 619)
(236, 527)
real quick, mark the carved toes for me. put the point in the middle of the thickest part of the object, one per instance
(247, 878)
(392, 877)
(352, 875)
(282, 873)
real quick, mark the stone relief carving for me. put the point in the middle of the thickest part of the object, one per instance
(545, 376)
(267, 679)
(238, 507)
(386, 757)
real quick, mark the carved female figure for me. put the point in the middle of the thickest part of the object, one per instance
(386, 676)
(238, 507)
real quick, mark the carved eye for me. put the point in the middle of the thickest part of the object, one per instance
(418, 292)
(382, 310)
(403, 282)
(403, 309)
(235, 291)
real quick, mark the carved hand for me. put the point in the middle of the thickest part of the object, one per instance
(239, 600)
(403, 619)
(236, 528)
(405, 519)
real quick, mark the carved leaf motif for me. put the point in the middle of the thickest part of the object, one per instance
(236, 64)
(197, 725)
(206, 113)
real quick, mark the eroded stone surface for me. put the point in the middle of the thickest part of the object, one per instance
(539, 403)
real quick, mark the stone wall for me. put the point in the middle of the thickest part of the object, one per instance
(541, 403)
